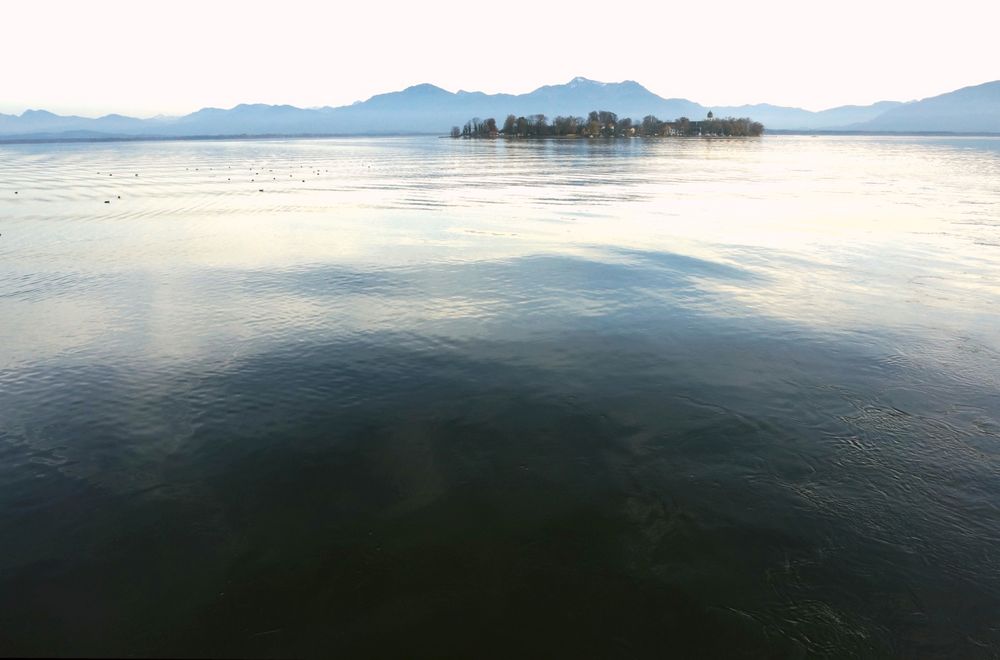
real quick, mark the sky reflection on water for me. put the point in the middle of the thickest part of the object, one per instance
(738, 398)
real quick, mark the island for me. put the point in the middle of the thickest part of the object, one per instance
(602, 123)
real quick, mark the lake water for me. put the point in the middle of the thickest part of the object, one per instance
(420, 397)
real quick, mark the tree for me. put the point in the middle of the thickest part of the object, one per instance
(565, 125)
(541, 124)
(456, 132)
(608, 120)
(651, 125)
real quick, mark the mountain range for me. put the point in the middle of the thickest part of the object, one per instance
(429, 109)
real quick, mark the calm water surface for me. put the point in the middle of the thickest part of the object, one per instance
(417, 397)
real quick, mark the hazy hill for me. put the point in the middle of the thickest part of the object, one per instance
(973, 109)
(627, 99)
(41, 121)
(250, 119)
(426, 108)
(429, 109)
(775, 116)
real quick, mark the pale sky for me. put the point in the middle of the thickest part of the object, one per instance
(148, 58)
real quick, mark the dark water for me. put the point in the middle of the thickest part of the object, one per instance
(433, 398)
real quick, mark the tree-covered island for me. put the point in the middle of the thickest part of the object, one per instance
(601, 123)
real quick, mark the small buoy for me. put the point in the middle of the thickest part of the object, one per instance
(261, 190)
(137, 175)
(119, 196)
(107, 201)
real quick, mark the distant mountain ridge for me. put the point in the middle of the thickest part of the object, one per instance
(969, 109)
(426, 108)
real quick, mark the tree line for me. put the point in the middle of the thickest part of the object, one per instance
(602, 123)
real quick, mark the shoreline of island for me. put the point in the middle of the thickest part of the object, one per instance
(18, 140)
